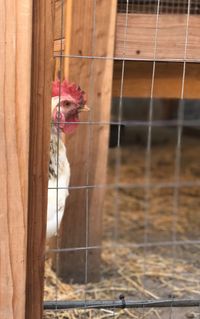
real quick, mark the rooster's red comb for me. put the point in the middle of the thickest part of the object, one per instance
(69, 89)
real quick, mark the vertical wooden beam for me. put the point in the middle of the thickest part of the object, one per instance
(15, 65)
(92, 32)
(42, 61)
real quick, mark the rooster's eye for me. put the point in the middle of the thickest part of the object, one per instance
(67, 103)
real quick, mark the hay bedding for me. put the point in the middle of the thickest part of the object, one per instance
(123, 268)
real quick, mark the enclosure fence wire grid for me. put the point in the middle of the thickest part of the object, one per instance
(166, 6)
(150, 242)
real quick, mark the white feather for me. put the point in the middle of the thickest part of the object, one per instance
(57, 196)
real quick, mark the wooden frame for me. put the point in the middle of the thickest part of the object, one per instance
(23, 183)
(139, 45)
(15, 65)
(140, 37)
(167, 84)
(40, 119)
(171, 37)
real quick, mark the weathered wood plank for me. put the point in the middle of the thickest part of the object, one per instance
(15, 66)
(87, 147)
(42, 58)
(140, 38)
(170, 45)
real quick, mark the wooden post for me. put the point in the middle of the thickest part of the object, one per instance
(89, 30)
(42, 58)
(15, 66)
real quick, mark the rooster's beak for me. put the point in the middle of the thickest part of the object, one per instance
(85, 108)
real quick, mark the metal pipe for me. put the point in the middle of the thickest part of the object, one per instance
(106, 304)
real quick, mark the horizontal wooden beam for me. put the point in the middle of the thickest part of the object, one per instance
(140, 42)
(171, 37)
(167, 83)
(140, 37)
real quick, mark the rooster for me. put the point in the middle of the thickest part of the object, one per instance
(68, 100)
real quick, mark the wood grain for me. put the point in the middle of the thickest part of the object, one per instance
(168, 80)
(42, 58)
(15, 65)
(140, 39)
(170, 46)
(171, 37)
(87, 147)
(59, 19)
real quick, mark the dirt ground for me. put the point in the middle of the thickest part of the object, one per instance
(139, 226)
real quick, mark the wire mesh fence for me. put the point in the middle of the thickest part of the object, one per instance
(148, 253)
(166, 6)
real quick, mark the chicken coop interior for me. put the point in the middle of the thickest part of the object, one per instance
(122, 181)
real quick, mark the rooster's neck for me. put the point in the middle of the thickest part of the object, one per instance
(57, 150)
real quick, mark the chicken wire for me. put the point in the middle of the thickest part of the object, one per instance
(157, 7)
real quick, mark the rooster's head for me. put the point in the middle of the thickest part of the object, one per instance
(68, 100)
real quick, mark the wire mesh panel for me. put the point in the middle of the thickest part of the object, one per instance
(127, 246)
(166, 6)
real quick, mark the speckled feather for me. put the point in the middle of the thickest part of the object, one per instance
(57, 178)
(67, 101)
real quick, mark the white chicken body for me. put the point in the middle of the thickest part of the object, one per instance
(59, 176)
(68, 100)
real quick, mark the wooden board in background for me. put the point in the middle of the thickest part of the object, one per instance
(168, 80)
(140, 44)
(140, 37)
(171, 37)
